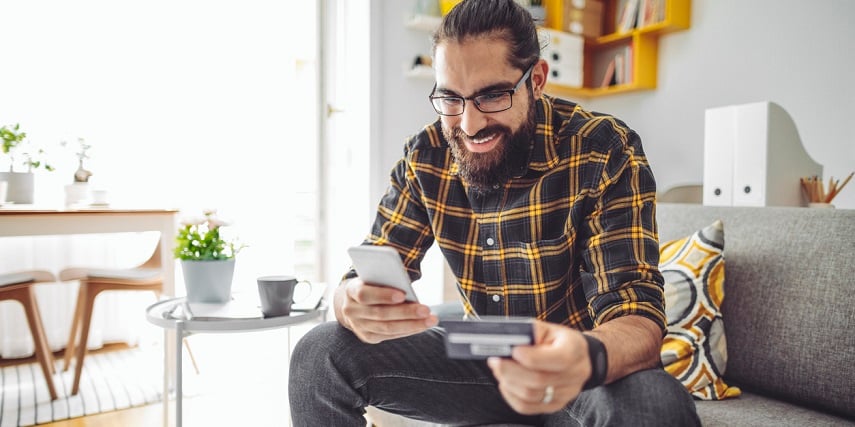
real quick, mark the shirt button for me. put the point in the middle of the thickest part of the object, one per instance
(496, 298)
(490, 241)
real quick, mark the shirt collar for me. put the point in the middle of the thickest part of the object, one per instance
(542, 154)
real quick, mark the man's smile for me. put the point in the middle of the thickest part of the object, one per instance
(483, 144)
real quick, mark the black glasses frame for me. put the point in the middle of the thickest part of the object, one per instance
(479, 97)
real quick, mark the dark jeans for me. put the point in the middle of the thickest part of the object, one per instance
(334, 376)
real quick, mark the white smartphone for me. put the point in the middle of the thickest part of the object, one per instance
(381, 265)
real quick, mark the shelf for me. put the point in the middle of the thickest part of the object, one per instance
(420, 72)
(589, 92)
(642, 42)
(426, 23)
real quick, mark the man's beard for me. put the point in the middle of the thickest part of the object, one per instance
(484, 170)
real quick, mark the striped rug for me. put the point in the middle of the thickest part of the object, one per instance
(111, 380)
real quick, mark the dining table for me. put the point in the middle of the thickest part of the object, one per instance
(34, 220)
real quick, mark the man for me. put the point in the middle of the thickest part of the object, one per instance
(542, 210)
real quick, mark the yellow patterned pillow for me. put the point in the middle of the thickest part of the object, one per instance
(695, 350)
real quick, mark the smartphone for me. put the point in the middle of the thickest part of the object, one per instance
(381, 265)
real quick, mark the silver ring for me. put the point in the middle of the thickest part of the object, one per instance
(548, 394)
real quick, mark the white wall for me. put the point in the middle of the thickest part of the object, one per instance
(797, 54)
(402, 106)
(399, 109)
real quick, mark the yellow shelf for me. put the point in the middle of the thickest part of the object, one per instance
(644, 44)
(593, 92)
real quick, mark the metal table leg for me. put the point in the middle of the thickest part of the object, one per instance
(179, 392)
(166, 365)
(288, 373)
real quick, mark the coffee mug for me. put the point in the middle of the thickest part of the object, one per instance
(277, 294)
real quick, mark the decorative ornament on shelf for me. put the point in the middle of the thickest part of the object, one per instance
(207, 258)
(16, 146)
(78, 191)
(816, 195)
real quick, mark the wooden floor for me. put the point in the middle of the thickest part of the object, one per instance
(198, 412)
(243, 381)
(149, 415)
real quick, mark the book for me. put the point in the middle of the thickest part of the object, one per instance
(628, 16)
(652, 12)
(311, 299)
(644, 10)
(620, 73)
(609, 76)
(627, 62)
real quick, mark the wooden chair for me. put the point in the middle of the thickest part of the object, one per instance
(19, 287)
(148, 276)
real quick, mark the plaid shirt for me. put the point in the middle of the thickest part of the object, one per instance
(570, 239)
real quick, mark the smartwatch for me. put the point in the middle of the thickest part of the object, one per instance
(599, 363)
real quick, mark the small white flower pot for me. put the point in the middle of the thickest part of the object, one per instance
(208, 281)
(20, 187)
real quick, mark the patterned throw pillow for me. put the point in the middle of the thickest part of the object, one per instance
(695, 350)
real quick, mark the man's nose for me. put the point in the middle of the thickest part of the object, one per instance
(472, 120)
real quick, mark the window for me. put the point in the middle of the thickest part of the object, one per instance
(189, 104)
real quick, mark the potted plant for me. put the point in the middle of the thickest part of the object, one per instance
(207, 259)
(16, 148)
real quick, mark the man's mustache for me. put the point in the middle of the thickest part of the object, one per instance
(458, 133)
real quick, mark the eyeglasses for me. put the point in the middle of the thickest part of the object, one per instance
(488, 102)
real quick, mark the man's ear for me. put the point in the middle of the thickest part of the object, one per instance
(538, 77)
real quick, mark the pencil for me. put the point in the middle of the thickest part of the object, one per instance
(839, 187)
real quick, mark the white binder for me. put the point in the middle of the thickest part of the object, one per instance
(753, 156)
(564, 52)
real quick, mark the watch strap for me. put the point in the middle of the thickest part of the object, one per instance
(349, 275)
(599, 362)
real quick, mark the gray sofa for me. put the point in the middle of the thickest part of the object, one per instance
(789, 312)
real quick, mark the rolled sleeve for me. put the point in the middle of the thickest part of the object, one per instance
(621, 257)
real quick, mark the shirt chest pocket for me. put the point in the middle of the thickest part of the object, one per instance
(544, 263)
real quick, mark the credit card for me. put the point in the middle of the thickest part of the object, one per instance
(487, 337)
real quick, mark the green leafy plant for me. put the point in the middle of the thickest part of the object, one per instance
(199, 239)
(14, 141)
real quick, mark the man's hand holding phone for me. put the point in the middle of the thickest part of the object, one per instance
(385, 309)
(380, 313)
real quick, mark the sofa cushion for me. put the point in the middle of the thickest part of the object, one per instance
(789, 299)
(695, 350)
(755, 410)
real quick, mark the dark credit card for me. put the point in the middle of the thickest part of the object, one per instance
(487, 337)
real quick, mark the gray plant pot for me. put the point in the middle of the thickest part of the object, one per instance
(208, 281)
(21, 186)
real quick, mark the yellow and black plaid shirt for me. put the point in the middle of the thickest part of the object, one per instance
(571, 239)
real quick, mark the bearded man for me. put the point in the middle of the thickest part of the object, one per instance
(542, 210)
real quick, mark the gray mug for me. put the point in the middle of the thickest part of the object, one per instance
(277, 294)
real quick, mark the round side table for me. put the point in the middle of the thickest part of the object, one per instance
(177, 314)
